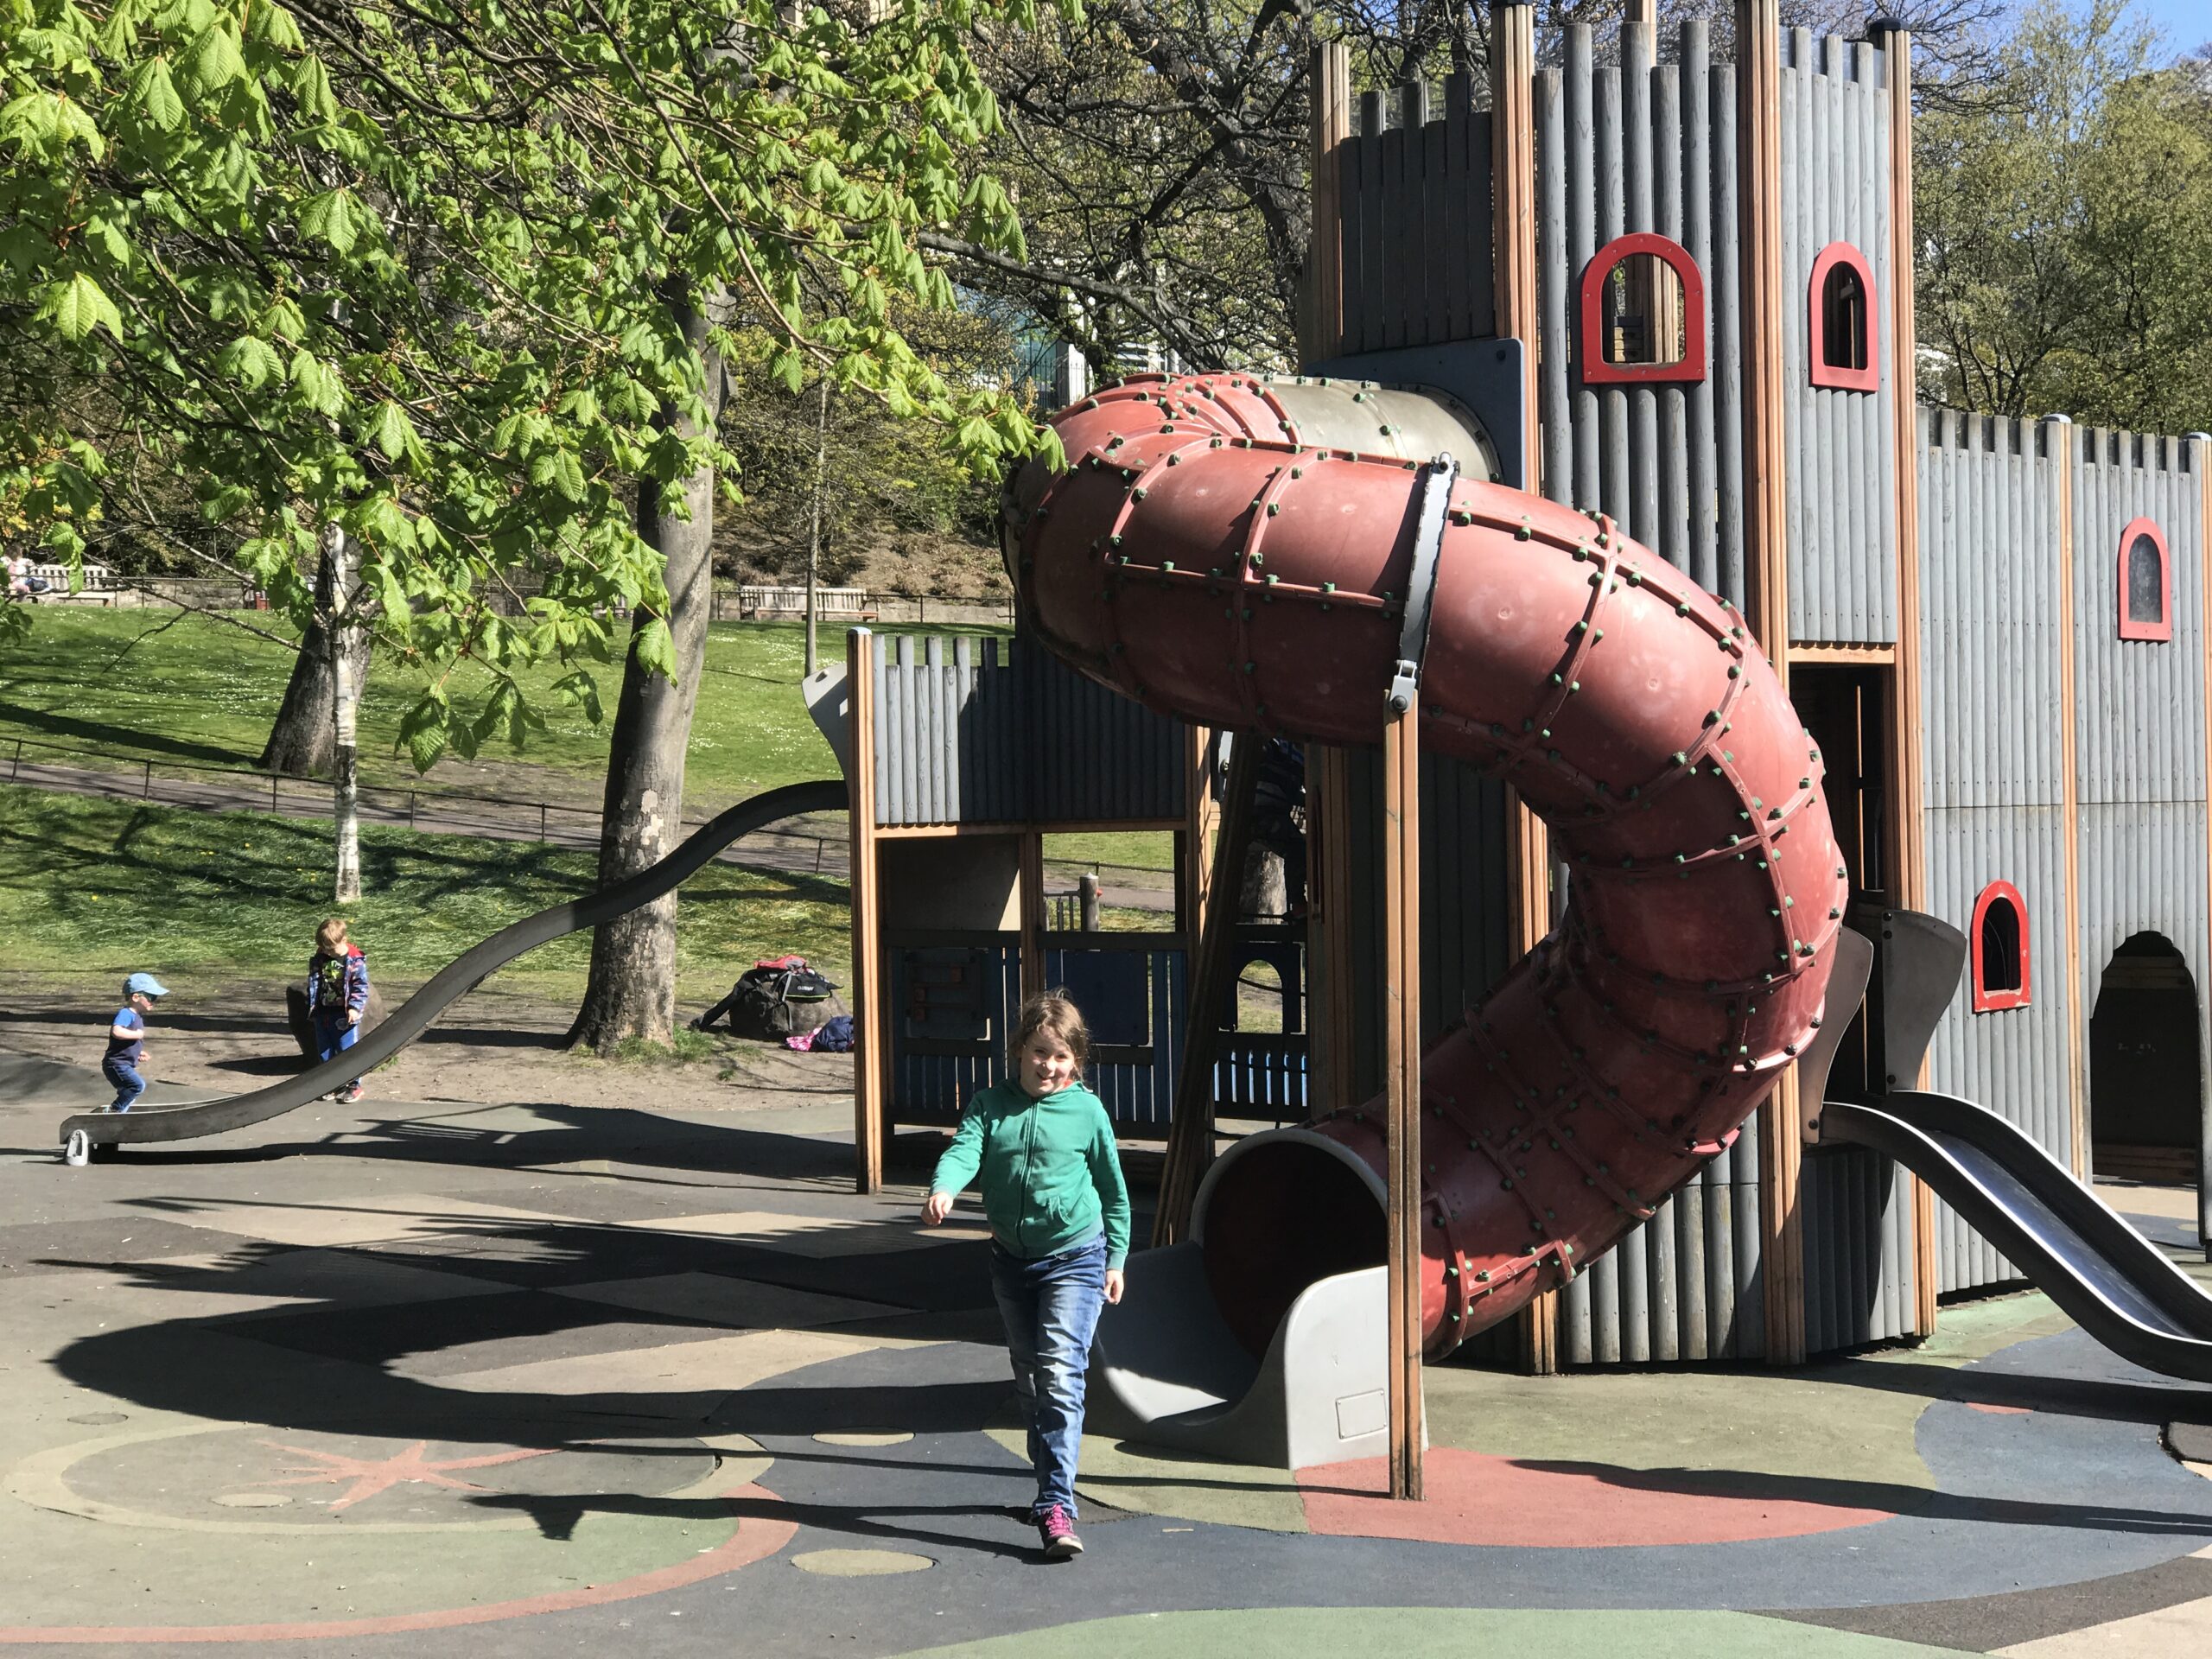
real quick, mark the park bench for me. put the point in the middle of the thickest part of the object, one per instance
(98, 586)
(842, 604)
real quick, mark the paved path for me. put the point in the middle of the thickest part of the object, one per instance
(533, 1379)
(815, 845)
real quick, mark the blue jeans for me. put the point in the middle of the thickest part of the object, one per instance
(124, 1078)
(334, 1037)
(1051, 1309)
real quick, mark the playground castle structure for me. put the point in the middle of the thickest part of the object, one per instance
(1676, 295)
(1709, 679)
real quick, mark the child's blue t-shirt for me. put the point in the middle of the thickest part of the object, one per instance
(135, 1049)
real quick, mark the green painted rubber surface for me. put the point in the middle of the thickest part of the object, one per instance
(1331, 1632)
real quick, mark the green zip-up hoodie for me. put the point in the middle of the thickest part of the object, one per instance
(1049, 1173)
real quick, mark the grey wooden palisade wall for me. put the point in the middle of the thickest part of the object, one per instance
(983, 732)
(1991, 559)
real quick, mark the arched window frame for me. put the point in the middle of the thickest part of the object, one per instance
(1825, 373)
(1987, 1001)
(2162, 629)
(1596, 371)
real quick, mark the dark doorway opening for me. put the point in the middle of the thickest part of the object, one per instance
(2146, 1076)
(1846, 708)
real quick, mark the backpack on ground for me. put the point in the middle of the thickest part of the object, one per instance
(776, 1000)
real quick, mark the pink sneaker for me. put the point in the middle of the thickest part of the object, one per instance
(1058, 1533)
(351, 1094)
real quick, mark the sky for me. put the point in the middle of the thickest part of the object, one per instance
(2187, 23)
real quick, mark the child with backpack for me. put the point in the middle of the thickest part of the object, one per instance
(338, 994)
(1041, 1147)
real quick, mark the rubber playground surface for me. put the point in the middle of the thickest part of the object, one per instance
(455, 1379)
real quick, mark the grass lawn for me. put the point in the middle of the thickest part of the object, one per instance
(194, 691)
(202, 691)
(96, 888)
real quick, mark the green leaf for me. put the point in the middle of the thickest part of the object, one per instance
(569, 475)
(388, 428)
(311, 86)
(656, 652)
(212, 62)
(424, 730)
(154, 94)
(584, 690)
(251, 362)
(77, 307)
(330, 218)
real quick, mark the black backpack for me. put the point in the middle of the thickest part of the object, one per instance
(774, 1002)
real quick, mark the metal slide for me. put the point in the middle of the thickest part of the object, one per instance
(2110, 1280)
(413, 1017)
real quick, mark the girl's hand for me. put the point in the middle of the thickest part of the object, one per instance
(1114, 1281)
(938, 1207)
(353, 1016)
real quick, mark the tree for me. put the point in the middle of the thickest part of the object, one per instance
(2066, 232)
(631, 991)
(401, 269)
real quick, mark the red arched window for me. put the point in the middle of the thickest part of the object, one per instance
(1643, 315)
(2146, 582)
(2000, 949)
(1843, 344)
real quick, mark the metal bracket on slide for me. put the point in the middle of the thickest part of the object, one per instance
(1421, 586)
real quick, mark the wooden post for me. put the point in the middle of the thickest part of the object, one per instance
(1512, 256)
(2062, 450)
(1401, 1038)
(871, 989)
(2200, 459)
(1031, 897)
(1766, 571)
(1190, 1136)
(1200, 814)
(1331, 980)
(1909, 870)
(1324, 331)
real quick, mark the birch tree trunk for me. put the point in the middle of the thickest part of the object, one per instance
(304, 738)
(631, 989)
(814, 530)
(345, 699)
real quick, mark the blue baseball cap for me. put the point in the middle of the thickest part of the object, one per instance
(145, 982)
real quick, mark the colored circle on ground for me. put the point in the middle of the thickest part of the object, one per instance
(1471, 1498)
(366, 1481)
(860, 1563)
(1329, 1632)
(864, 1437)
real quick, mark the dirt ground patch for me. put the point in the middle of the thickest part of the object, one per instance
(492, 1047)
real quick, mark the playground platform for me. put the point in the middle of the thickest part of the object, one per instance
(533, 1379)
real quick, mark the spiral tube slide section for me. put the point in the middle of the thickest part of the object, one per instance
(458, 977)
(1238, 551)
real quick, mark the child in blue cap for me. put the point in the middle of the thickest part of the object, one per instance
(126, 1039)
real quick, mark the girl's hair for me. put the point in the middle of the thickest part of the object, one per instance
(331, 934)
(1054, 1015)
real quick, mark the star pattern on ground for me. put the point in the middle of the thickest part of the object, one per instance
(372, 1476)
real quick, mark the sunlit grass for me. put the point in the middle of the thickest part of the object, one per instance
(99, 888)
(204, 692)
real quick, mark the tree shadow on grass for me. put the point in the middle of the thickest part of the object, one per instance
(106, 731)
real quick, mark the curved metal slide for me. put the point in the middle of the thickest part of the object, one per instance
(2110, 1280)
(457, 979)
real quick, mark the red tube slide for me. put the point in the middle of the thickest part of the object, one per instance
(1238, 552)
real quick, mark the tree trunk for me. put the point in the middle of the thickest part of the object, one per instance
(814, 530)
(303, 740)
(345, 699)
(632, 990)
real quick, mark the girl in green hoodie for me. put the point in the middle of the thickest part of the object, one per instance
(1041, 1148)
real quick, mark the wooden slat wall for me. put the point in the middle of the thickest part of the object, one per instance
(1414, 193)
